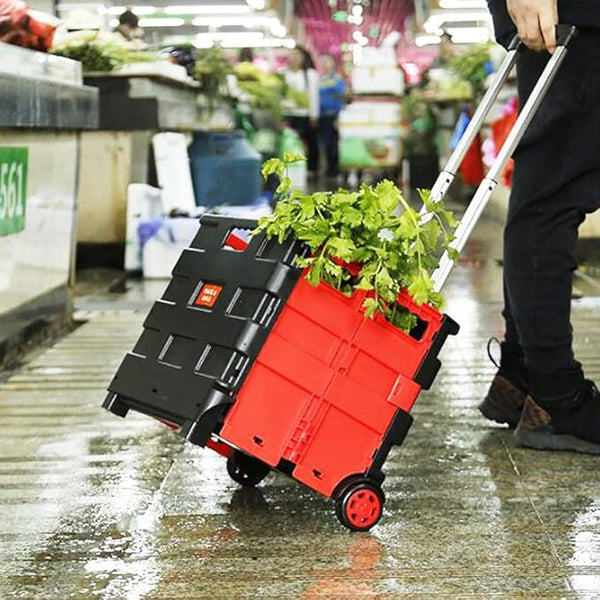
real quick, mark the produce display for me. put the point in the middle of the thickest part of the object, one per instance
(374, 229)
(419, 125)
(211, 71)
(264, 90)
(23, 27)
(296, 98)
(100, 51)
(473, 67)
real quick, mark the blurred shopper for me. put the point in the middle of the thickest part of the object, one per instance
(332, 88)
(446, 54)
(303, 116)
(539, 386)
(246, 55)
(129, 27)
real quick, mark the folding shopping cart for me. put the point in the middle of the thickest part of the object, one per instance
(242, 355)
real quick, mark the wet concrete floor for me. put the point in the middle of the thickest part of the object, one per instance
(93, 506)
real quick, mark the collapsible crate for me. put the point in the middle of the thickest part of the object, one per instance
(243, 355)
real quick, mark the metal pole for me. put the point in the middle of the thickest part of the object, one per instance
(488, 185)
(445, 178)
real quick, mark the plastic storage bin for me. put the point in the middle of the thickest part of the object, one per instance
(225, 169)
(243, 355)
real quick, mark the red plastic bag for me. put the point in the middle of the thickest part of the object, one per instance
(471, 168)
(500, 129)
(22, 26)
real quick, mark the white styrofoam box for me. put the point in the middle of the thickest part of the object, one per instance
(377, 80)
(363, 112)
(161, 252)
(159, 68)
(143, 203)
(371, 131)
(173, 172)
(378, 57)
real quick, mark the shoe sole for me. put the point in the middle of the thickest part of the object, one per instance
(543, 438)
(493, 412)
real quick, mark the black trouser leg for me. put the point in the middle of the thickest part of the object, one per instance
(312, 142)
(309, 136)
(556, 182)
(330, 139)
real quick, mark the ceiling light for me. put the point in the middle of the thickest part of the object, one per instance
(266, 43)
(249, 21)
(256, 4)
(278, 30)
(246, 36)
(450, 4)
(207, 9)
(357, 10)
(426, 40)
(357, 36)
(203, 43)
(137, 10)
(469, 35)
(458, 16)
(164, 22)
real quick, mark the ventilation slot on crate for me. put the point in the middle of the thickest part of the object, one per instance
(254, 305)
(237, 239)
(177, 289)
(285, 253)
(226, 365)
(418, 329)
(177, 351)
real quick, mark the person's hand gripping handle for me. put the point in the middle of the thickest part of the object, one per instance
(535, 21)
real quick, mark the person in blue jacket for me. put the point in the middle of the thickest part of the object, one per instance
(332, 90)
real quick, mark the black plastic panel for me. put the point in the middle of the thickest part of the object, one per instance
(201, 337)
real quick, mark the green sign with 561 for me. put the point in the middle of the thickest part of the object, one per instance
(13, 189)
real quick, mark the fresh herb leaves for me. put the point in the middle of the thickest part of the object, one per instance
(393, 246)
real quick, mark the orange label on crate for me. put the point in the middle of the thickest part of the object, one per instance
(208, 295)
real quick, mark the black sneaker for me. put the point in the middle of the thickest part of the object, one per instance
(504, 402)
(506, 396)
(565, 425)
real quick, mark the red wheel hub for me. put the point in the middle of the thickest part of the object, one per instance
(363, 508)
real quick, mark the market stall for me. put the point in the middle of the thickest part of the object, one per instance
(133, 108)
(45, 107)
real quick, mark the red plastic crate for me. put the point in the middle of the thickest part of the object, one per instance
(326, 386)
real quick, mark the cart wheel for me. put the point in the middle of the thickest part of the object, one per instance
(246, 470)
(360, 505)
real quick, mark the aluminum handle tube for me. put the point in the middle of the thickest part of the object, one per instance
(446, 177)
(487, 186)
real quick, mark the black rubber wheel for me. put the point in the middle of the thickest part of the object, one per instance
(246, 470)
(359, 506)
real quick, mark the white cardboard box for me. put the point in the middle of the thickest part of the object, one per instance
(377, 80)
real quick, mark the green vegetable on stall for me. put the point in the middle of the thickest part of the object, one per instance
(100, 52)
(297, 98)
(470, 67)
(263, 97)
(212, 69)
(393, 245)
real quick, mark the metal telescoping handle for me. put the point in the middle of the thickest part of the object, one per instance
(564, 35)
(446, 176)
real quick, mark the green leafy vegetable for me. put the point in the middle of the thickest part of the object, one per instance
(393, 246)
